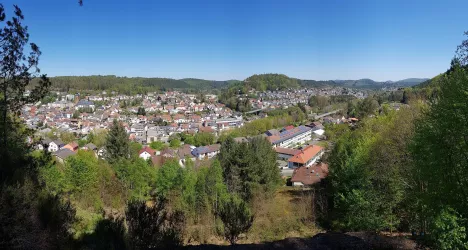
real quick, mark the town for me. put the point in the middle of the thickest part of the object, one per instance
(66, 124)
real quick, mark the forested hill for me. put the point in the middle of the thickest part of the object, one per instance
(271, 82)
(261, 82)
(208, 84)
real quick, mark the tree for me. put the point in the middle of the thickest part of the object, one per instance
(117, 143)
(157, 145)
(367, 107)
(228, 159)
(440, 150)
(237, 218)
(81, 172)
(153, 227)
(203, 139)
(98, 137)
(109, 233)
(137, 176)
(18, 68)
(175, 143)
(141, 111)
(249, 167)
(448, 232)
(76, 114)
(168, 177)
(369, 166)
(67, 137)
(302, 107)
(318, 101)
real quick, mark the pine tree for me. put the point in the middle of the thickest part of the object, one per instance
(18, 68)
(237, 218)
(117, 143)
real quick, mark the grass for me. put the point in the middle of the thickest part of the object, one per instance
(288, 214)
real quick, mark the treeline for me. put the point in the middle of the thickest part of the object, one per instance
(277, 119)
(406, 170)
(131, 85)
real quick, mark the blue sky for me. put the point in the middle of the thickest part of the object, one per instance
(223, 39)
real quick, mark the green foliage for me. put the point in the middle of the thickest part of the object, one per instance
(237, 218)
(138, 177)
(117, 143)
(440, 151)
(447, 230)
(97, 137)
(203, 139)
(168, 177)
(128, 85)
(134, 147)
(175, 143)
(67, 137)
(141, 111)
(34, 219)
(157, 145)
(210, 189)
(153, 227)
(108, 234)
(248, 167)
(276, 119)
(271, 82)
(81, 172)
(369, 172)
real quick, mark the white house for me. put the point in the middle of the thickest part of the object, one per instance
(209, 151)
(55, 145)
(146, 153)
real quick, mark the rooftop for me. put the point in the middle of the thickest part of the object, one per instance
(288, 134)
(310, 175)
(306, 154)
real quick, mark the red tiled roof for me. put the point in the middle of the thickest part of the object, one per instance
(306, 154)
(287, 151)
(147, 149)
(206, 129)
(310, 175)
(289, 127)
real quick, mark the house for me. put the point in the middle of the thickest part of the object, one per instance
(206, 151)
(43, 143)
(73, 146)
(185, 152)
(272, 132)
(306, 157)
(202, 129)
(85, 104)
(62, 154)
(89, 146)
(168, 153)
(55, 145)
(286, 153)
(315, 125)
(308, 176)
(290, 138)
(146, 153)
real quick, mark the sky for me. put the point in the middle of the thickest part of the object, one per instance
(224, 39)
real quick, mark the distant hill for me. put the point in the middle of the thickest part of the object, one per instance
(260, 82)
(271, 82)
(208, 84)
(363, 83)
(133, 84)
